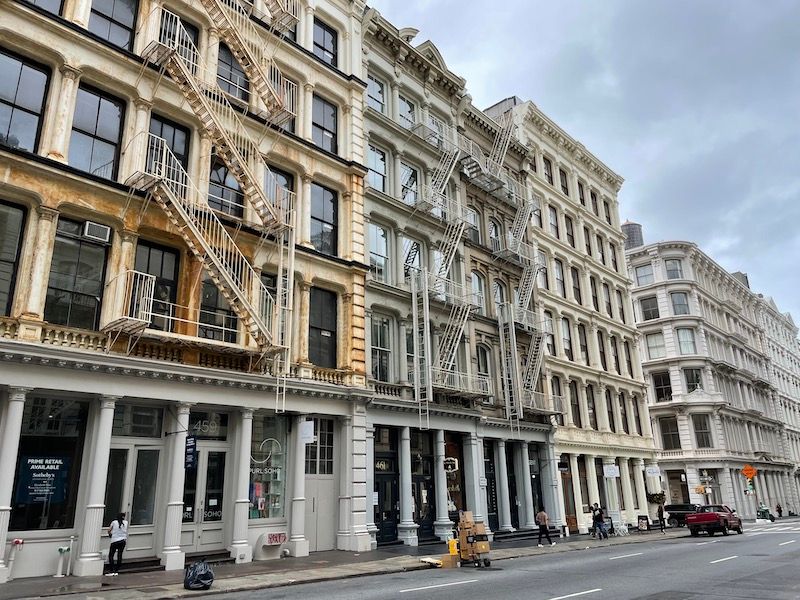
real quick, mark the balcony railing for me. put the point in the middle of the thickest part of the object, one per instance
(512, 248)
(461, 383)
(451, 292)
(542, 403)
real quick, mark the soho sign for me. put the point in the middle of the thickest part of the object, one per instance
(266, 448)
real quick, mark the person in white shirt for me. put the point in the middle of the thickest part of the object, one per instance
(118, 532)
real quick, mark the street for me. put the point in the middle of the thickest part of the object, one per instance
(761, 564)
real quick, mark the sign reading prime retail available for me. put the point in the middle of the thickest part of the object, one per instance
(41, 479)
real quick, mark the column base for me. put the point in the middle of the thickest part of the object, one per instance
(443, 530)
(5, 574)
(298, 548)
(242, 553)
(407, 533)
(354, 542)
(89, 567)
(373, 536)
(173, 560)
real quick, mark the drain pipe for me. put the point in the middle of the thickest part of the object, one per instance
(16, 546)
(69, 560)
(62, 552)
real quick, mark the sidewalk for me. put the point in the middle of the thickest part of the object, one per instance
(320, 566)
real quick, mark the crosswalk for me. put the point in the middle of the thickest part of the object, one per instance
(773, 528)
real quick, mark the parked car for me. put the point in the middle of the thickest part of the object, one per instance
(713, 518)
(677, 513)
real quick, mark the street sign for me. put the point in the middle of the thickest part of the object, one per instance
(749, 471)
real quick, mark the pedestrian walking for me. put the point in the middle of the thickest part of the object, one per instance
(118, 532)
(595, 507)
(600, 524)
(544, 523)
(661, 518)
(779, 510)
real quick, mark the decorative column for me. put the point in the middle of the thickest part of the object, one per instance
(81, 12)
(134, 157)
(396, 190)
(308, 106)
(304, 212)
(9, 450)
(308, 38)
(39, 270)
(172, 557)
(372, 529)
(653, 483)
(241, 550)
(127, 255)
(601, 408)
(638, 482)
(64, 110)
(591, 478)
(298, 544)
(472, 477)
(90, 562)
(527, 488)
(407, 529)
(503, 500)
(401, 344)
(627, 493)
(443, 526)
(612, 499)
(577, 493)
(302, 326)
(551, 485)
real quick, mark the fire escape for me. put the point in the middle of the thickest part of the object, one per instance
(266, 316)
(436, 372)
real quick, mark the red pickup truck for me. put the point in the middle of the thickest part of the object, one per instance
(713, 518)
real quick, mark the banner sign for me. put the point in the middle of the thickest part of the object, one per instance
(610, 471)
(190, 457)
(652, 471)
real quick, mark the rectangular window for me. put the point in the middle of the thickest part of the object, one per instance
(593, 196)
(219, 321)
(674, 268)
(607, 300)
(268, 467)
(324, 219)
(601, 249)
(620, 307)
(649, 308)
(412, 256)
(607, 212)
(409, 177)
(613, 251)
(581, 194)
(655, 346)
(702, 431)
(583, 344)
(381, 350)
(554, 229)
(12, 219)
(637, 417)
(623, 412)
(224, 193)
(96, 133)
(376, 163)
(628, 360)
(407, 111)
(75, 289)
(587, 240)
(570, 230)
(543, 275)
(319, 454)
(575, 405)
(559, 273)
(549, 338)
(610, 413)
(231, 78)
(615, 353)
(322, 328)
(162, 263)
(324, 125)
(670, 438)
(548, 170)
(686, 341)
(114, 21)
(473, 225)
(562, 175)
(378, 253)
(662, 386)
(644, 275)
(23, 89)
(375, 94)
(680, 303)
(593, 286)
(694, 379)
(601, 347)
(576, 285)
(176, 136)
(591, 406)
(52, 6)
(325, 43)
(566, 338)
(131, 420)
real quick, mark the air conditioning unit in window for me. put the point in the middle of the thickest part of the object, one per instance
(96, 231)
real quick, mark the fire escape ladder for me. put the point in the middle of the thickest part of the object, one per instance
(512, 385)
(449, 244)
(423, 383)
(452, 334)
(501, 144)
(285, 14)
(444, 169)
(535, 358)
(527, 283)
(164, 178)
(232, 19)
(211, 105)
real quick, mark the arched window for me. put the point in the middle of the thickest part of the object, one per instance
(479, 292)
(495, 235)
(230, 75)
(484, 367)
(473, 219)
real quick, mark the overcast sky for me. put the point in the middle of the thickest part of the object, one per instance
(696, 103)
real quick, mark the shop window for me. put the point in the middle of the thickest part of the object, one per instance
(12, 219)
(322, 328)
(268, 467)
(319, 453)
(208, 425)
(23, 89)
(48, 464)
(137, 421)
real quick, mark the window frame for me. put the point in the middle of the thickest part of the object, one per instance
(662, 381)
(672, 296)
(316, 330)
(566, 338)
(703, 437)
(558, 272)
(374, 84)
(670, 272)
(375, 257)
(660, 347)
(644, 274)
(14, 264)
(112, 21)
(670, 437)
(548, 169)
(26, 62)
(679, 331)
(333, 224)
(647, 310)
(554, 227)
(562, 177)
(234, 206)
(323, 129)
(383, 353)
(328, 55)
(122, 105)
(235, 89)
(403, 101)
(375, 179)
(693, 383)
(577, 290)
(569, 230)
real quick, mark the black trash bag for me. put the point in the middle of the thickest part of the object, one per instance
(199, 576)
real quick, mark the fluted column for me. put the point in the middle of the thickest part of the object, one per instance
(527, 487)
(577, 493)
(472, 477)
(241, 550)
(172, 557)
(134, 156)
(638, 482)
(90, 562)
(612, 499)
(40, 265)
(591, 478)
(601, 409)
(504, 501)
(653, 484)
(64, 109)
(298, 543)
(308, 37)
(627, 492)
(443, 527)
(9, 450)
(407, 529)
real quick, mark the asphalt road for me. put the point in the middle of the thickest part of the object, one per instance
(761, 564)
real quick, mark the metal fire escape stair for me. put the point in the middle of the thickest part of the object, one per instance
(232, 19)
(501, 144)
(285, 14)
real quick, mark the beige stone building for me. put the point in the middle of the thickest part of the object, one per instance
(183, 266)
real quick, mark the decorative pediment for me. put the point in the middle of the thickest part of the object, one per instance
(429, 50)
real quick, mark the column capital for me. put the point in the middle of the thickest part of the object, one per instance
(70, 72)
(184, 408)
(308, 86)
(46, 213)
(18, 394)
(129, 236)
(609, 460)
(247, 413)
(142, 103)
(108, 401)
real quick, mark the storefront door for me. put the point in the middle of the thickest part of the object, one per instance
(321, 495)
(491, 485)
(204, 502)
(387, 509)
(132, 487)
(513, 497)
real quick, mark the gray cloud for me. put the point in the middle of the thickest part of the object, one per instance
(695, 102)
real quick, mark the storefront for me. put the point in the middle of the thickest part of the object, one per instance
(492, 509)
(387, 507)
(422, 483)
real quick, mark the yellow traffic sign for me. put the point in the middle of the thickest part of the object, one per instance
(749, 471)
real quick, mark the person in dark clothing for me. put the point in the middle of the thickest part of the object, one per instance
(595, 507)
(118, 532)
(661, 518)
(600, 524)
(544, 523)
(779, 510)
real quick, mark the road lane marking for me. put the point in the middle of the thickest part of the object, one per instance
(575, 595)
(719, 560)
(441, 585)
(626, 556)
(704, 543)
(789, 542)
